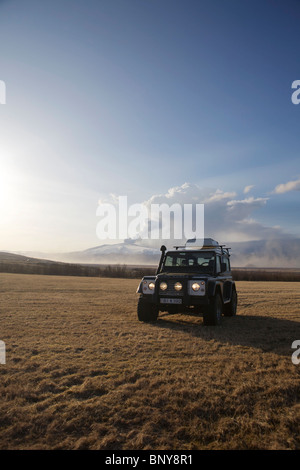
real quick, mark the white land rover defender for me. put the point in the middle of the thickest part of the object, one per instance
(192, 278)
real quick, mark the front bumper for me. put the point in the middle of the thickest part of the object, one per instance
(177, 301)
(171, 298)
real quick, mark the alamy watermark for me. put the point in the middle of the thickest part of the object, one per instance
(2, 353)
(154, 221)
(2, 92)
(296, 94)
(295, 358)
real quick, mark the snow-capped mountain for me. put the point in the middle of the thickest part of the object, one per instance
(263, 253)
(120, 253)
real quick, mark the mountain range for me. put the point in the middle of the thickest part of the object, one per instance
(277, 253)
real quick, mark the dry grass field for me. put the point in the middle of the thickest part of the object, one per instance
(83, 373)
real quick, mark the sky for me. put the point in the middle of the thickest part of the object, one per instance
(147, 98)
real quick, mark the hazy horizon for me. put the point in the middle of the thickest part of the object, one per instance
(258, 254)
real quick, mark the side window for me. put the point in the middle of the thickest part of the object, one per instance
(225, 261)
(218, 264)
(169, 261)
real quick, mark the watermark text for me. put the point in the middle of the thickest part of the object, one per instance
(296, 354)
(2, 92)
(2, 353)
(296, 94)
(154, 221)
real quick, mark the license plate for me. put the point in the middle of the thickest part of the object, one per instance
(171, 301)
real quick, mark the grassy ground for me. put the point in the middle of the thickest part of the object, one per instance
(83, 373)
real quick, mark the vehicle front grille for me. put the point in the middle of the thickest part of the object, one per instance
(171, 290)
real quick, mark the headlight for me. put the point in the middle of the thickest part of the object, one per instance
(195, 286)
(151, 285)
(178, 286)
(163, 285)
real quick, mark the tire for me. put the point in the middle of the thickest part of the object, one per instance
(213, 315)
(146, 312)
(230, 309)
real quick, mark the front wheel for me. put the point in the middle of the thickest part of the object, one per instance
(213, 315)
(146, 311)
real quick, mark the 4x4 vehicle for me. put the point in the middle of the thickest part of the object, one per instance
(192, 278)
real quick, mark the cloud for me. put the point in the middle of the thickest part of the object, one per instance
(248, 188)
(227, 218)
(219, 196)
(109, 199)
(286, 187)
(243, 208)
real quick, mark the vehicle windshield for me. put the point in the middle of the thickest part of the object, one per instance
(189, 261)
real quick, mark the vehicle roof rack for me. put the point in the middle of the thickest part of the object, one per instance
(206, 243)
(227, 248)
(201, 243)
